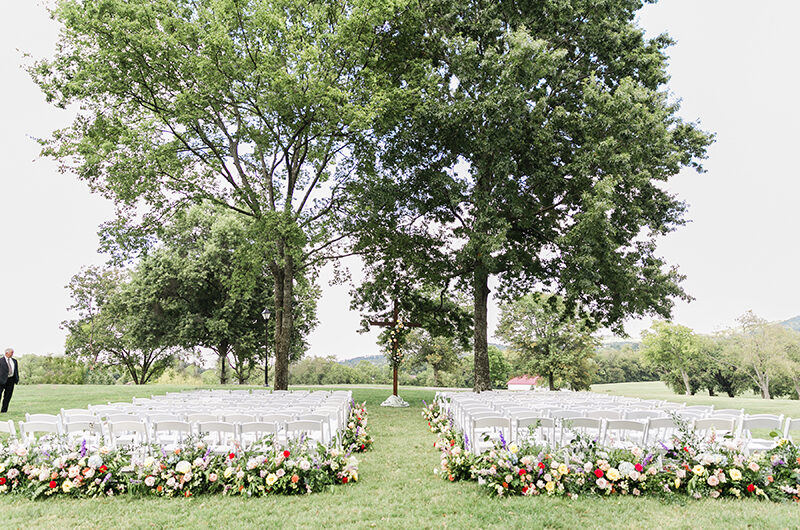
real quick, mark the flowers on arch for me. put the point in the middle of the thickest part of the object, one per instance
(395, 337)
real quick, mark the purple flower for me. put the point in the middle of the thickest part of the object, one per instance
(83, 448)
(502, 440)
(647, 459)
(466, 442)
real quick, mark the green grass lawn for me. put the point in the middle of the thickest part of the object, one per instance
(397, 488)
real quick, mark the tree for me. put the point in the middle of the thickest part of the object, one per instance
(763, 350)
(134, 328)
(530, 145)
(440, 353)
(723, 370)
(673, 349)
(548, 337)
(249, 104)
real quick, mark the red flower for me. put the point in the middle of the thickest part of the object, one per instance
(751, 488)
(639, 467)
(522, 471)
(2, 480)
(598, 473)
(232, 456)
(53, 484)
(505, 484)
(187, 493)
(452, 443)
(686, 449)
(541, 465)
(344, 479)
(362, 447)
(286, 454)
(102, 469)
(525, 489)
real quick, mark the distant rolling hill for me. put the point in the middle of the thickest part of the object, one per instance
(792, 323)
(378, 360)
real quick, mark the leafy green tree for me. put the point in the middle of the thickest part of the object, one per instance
(135, 328)
(499, 368)
(621, 366)
(440, 353)
(250, 104)
(675, 350)
(530, 144)
(548, 338)
(723, 372)
(763, 351)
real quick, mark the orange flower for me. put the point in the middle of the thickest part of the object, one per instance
(295, 478)
(451, 478)
(770, 478)
(187, 493)
(160, 488)
(53, 475)
(178, 451)
(505, 484)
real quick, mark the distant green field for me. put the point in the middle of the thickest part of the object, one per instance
(657, 390)
(397, 488)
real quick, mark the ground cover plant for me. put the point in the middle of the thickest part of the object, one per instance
(396, 488)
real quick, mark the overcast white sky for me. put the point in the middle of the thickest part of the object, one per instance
(734, 67)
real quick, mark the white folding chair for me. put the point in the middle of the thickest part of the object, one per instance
(763, 422)
(487, 430)
(90, 431)
(535, 429)
(171, 433)
(719, 427)
(625, 433)
(572, 427)
(253, 432)
(220, 436)
(128, 433)
(8, 428)
(299, 428)
(661, 430)
(792, 425)
(29, 431)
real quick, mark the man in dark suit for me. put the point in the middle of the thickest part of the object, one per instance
(9, 376)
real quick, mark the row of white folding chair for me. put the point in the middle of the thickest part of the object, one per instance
(219, 435)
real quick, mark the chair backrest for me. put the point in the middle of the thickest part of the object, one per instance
(94, 427)
(566, 414)
(661, 429)
(8, 427)
(201, 417)
(50, 418)
(259, 427)
(28, 429)
(791, 426)
(240, 418)
(162, 417)
(122, 417)
(644, 414)
(716, 424)
(604, 414)
(297, 427)
(494, 421)
(761, 422)
(181, 428)
(582, 423)
(128, 432)
(280, 419)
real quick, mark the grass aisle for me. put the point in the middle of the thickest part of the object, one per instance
(397, 489)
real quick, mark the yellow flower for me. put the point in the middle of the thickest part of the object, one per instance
(550, 486)
(513, 448)
(228, 472)
(563, 469)
(698, 469)
(677, 483)
(735, 474)
(612, 474)
(66, 486)
(272, 478)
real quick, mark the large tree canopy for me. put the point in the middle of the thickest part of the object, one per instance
(531, 144)
(250, 104)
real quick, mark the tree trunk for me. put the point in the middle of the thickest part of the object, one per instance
(436, 379)
(711, 391)
(764, 386)
(481, 292)
(284, 322)
(551, 381)
(686, 385)
(797, 388)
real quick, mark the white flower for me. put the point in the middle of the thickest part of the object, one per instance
(272, 478)
(305, 465)
(44, 475)
(149, 461)
(240, 474)
(150, 481)
(626, 468)
(252, 463)
(183, 467)
(280, 472)
(95, 461)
